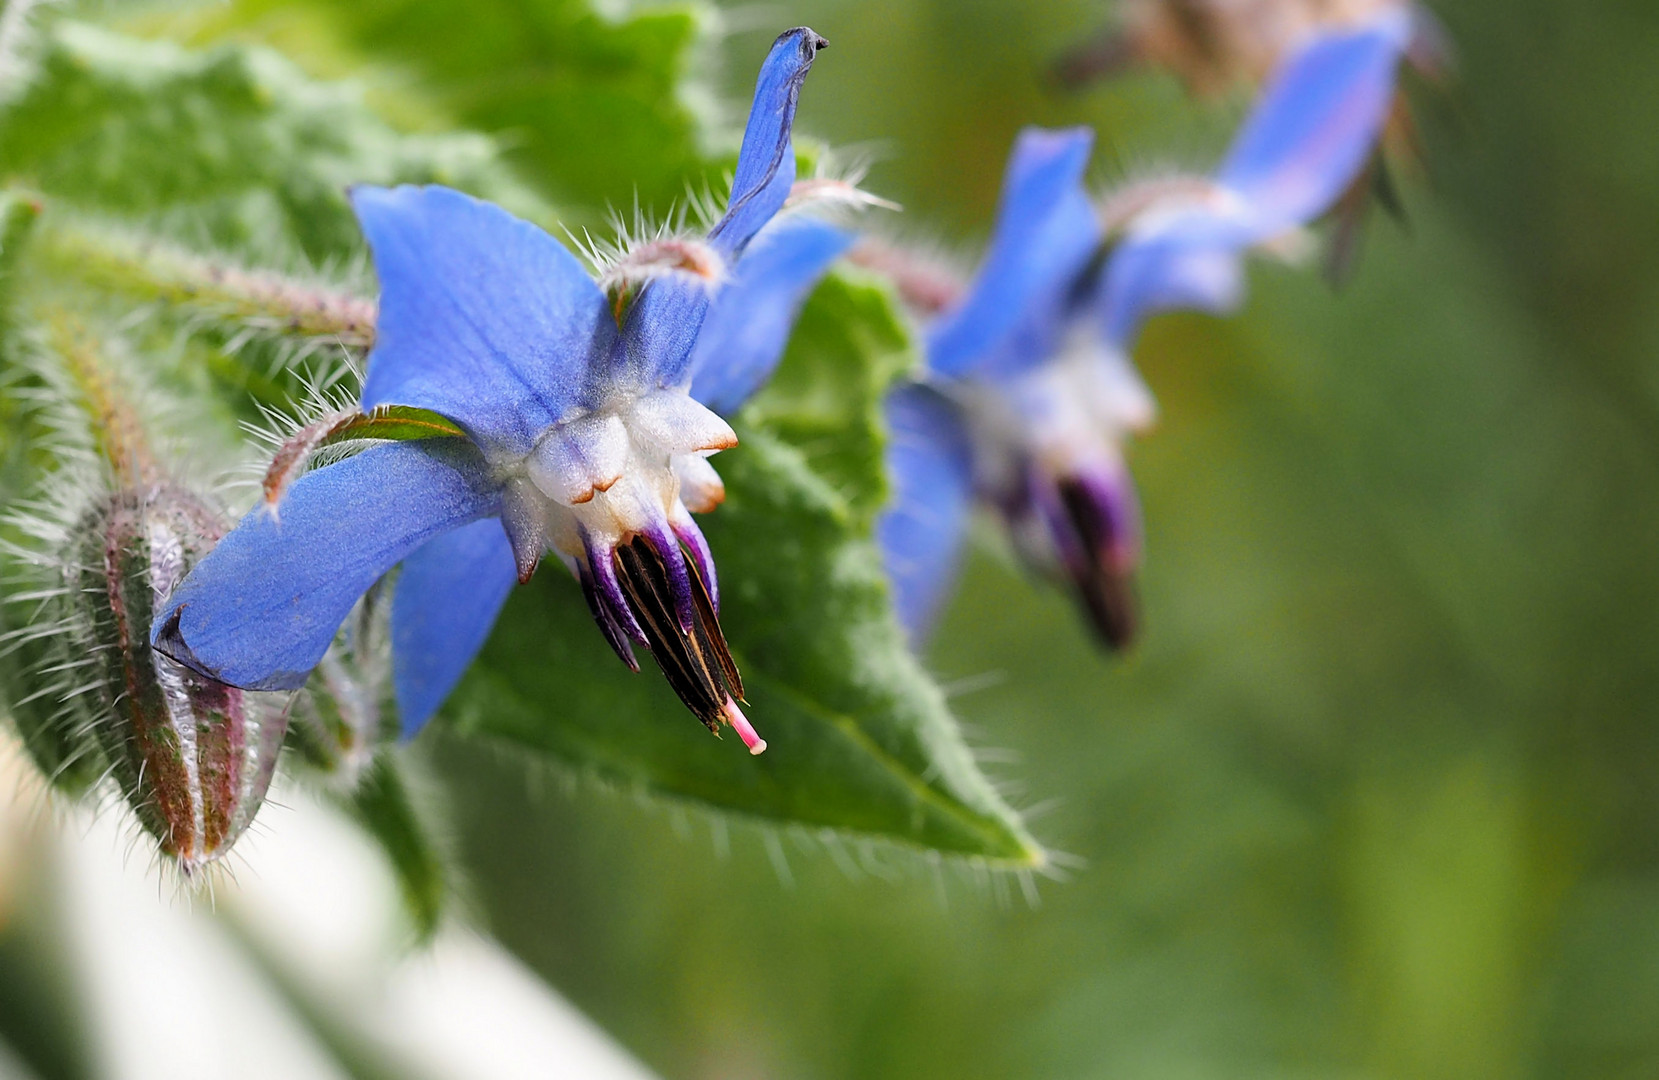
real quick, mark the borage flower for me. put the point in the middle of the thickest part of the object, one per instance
(580, 437)
(1030, 393)
(1024, 406)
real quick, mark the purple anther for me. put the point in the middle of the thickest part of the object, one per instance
(603, 568)
(603, 615)
(692, 537)
(667, 547)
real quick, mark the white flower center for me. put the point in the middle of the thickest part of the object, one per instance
(614, 472)
(1069, 412)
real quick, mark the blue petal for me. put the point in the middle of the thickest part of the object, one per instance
(749, 323)
(1313, 131)
(448, 596)
(1196, 263)
(483, 317)
(660, 329)
(1318, 122)
(663, 322)
(766, 164)
(930, 463)
(261, 609)
(1046, 234)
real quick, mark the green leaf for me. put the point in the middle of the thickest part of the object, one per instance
(595, 108)
(849, 345)
(234, 141)
(861, 739)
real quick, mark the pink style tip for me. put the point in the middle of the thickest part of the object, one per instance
(745, 730)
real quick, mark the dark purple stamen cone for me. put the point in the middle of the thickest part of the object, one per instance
(193, 756)
(1101, 550)
(697, 662)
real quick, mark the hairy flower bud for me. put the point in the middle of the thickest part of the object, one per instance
(192, 756)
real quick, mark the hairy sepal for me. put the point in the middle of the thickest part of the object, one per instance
(192, 757)
(385, 423)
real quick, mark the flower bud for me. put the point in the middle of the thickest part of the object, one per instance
(192, 756)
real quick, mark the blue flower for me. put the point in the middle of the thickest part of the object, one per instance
(589, 414)
(1030, 394)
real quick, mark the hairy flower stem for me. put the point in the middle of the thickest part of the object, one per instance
(923, 284)
(116, 429)
(154, 270)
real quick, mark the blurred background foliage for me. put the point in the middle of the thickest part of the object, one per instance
(1377, 796)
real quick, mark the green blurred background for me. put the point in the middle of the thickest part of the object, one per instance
(1378, 794)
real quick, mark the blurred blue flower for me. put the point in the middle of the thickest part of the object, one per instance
(588, 415)
(1029, 392)
(1214, 46)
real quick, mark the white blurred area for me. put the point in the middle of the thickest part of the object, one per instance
(296, 966)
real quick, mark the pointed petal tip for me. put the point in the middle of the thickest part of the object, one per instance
(166, 639)
(809, 37)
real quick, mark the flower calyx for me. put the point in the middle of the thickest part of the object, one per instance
(192, 756)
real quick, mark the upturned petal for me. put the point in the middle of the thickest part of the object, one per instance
(449, 593)
(1309, 137)
(662, 324)
(261, 609)
(1046, 234)
(483, 317)
(766, 163)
